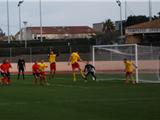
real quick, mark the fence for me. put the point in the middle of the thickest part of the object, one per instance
(38, 53)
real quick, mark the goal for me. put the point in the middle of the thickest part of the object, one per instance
(108, 61)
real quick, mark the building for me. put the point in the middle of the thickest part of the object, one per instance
(144, 33)
(98, 27)
(52, 32)
(118, 25)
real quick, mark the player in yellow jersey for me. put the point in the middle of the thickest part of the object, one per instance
(52, 60)
(42, 67)
(129, 69)
(73, 60)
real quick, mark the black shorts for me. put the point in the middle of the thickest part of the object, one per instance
(90, 72)
(5, 74)
(21, 69)
(36, 74)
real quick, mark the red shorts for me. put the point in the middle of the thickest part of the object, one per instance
(75, 65)
(53, 66)
(129, 73)
(43, 73)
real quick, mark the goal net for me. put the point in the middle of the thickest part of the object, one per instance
(108, 61)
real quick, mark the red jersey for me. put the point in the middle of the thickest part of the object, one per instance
(5, 67)
(35, 68)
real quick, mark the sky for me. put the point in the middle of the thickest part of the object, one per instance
(70, 12)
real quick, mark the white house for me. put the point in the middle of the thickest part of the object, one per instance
(56, 32)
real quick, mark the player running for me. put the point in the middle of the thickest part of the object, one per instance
(74, 58)
(21, 67)
(89, 70)
(129, 68)
(4, 68)
(36, 71)
(52, 59)
(42, 68)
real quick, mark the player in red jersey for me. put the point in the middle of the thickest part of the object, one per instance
(5, 72)
(2, 70)
(36, 71)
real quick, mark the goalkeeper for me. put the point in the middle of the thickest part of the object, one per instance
(89, 70)
(129, 68)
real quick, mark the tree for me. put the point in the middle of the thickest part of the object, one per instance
(156, 17)
(109, 35)
(158, 14)
(2, 34)
(132, 20)
(108, 26)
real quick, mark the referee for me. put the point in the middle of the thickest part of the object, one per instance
(21, 67)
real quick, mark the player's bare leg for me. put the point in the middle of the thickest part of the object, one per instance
(83, 75)
(126, 80)
(45, 81)
(8, 81)
(93, 76)
(3, 81)
(18, 75)
(41, 80)
(0, 80)
(132, 79)
(23, 75)
(52, 74)
(74, 75)
(35, 80)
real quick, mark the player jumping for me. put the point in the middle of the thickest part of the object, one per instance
(129, 70)
(90, 70)
(74, 58)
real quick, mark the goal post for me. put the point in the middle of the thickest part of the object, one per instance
(108, 60)
(136, 62)
(114, 54)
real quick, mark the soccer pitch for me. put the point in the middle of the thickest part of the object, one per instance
(65, 100)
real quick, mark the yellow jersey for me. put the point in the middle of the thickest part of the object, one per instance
(128, 66)
(74, 57)
(52, 58)
(42, 66)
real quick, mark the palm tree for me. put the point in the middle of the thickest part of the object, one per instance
(108, 26)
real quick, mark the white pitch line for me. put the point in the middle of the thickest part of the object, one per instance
(82, 100)
(70, 86)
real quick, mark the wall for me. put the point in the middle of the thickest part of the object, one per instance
(145, 65)
(131, 39)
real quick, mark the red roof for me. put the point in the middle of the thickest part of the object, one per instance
(145, 25)
(62, 30)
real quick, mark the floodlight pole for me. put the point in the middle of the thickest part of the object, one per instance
(126, 10)
(8, 28)
(150, 10)
(19, 5)
(40, 15)
(120, 6)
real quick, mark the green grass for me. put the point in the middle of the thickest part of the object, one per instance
(65, 100)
